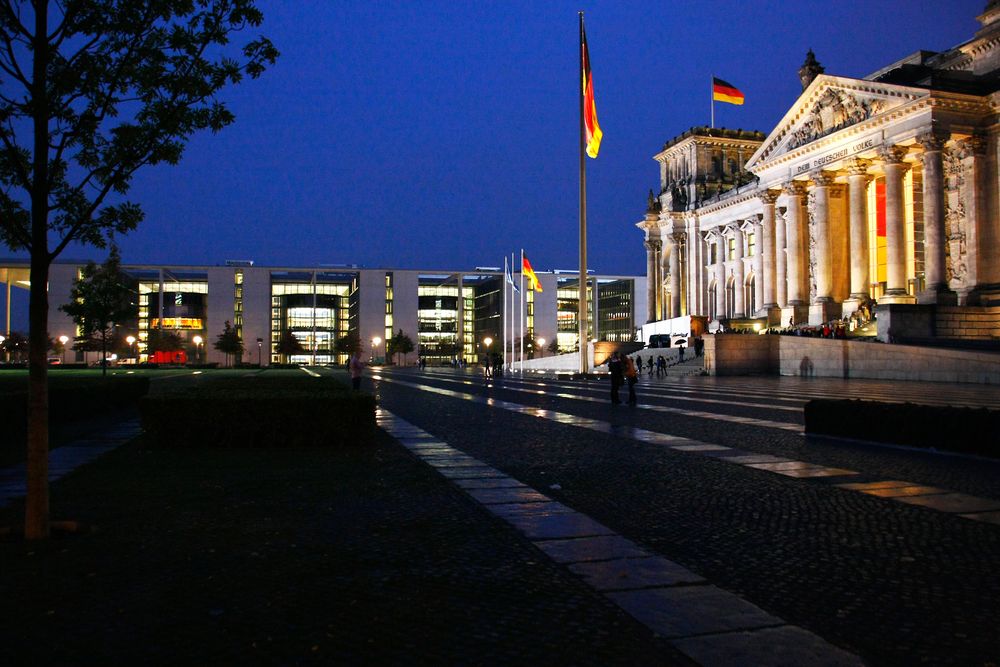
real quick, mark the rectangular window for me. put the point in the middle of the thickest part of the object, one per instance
(751, 244)
(732, 248)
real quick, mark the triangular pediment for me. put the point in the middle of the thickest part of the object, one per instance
(830, 104)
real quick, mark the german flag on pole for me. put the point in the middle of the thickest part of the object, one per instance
(592, 129)
(723, 91)
(529, 273)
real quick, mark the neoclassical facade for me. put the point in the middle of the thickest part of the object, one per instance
(879, 189)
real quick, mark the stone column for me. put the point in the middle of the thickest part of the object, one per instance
(857, 183)
(758, 263)
(936, 289)
(795, 190)
(675, 274)
(972, 152)
(720, 280)
(895, 260)
(739, 304)
(768, 278)
(822, 181)
(651, 257)
(780, 259)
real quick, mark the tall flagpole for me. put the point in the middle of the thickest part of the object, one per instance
(513, 290)
(582, 307)
(711, 97)
(520, 364)
(504, 327)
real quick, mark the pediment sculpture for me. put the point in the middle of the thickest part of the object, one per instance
(833, 111)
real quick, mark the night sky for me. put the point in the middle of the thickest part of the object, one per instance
(445, 134)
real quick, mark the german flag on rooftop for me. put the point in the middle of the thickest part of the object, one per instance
(723, 91)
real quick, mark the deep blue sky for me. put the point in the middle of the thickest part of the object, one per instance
(445, 134)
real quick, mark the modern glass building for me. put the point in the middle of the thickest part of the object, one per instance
(449, 315)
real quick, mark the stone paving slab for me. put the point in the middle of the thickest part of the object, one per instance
(953, 502)
(591, 549)
(557, 526)
(816, 472)
(898, 491)
(988, 517)
(510, 509)
(632, 573)
(701, 448)
(783, 465)
(785, 646)
(495, 496)
(488, 483)
(470, 472)
(455, 461)
(863, 486)
(692, 610)
(754, 458)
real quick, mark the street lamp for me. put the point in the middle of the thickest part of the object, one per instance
(197, 349)
(260, 341)
(541, 347)
(131, 346)
(376, 341)
(62, 339)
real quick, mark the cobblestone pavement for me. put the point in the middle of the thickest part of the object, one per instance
(890, 554)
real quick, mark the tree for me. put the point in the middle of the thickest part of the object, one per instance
(90, 92)
(553, 346)
(100, 299)
(15, 346)
(288, 345)
(229, 342)
(163, 340)
(349, 344)
(399, 344)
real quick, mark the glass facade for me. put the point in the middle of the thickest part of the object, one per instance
(316, 308)
(438, 314)
(183, 310)
(615, 321)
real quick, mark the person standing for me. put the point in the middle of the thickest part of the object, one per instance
(617, 371)
(355, 366)
(631, 377)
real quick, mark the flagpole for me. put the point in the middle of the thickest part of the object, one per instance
(513, 291)
(504, 327)
(711, 97)
(520, 364)
(582, 305)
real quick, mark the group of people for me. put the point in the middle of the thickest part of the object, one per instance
(623, 371)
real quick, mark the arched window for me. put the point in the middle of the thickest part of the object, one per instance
(750, 294)
(730, 298)
(712, 292)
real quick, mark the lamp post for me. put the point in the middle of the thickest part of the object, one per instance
(376, 341)
(541, 348)
(2, 348)
(64, 339)
(197, 349)
(131, 347)
(260, 341)
(487, 342)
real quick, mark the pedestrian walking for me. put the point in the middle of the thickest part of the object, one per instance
(661, 366)
(617, 373)
(650, 365)
(631, 377)
(638, 364)
(355, 366)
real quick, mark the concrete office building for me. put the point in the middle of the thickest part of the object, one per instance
(448, 314)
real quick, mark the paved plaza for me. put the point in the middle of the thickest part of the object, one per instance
(527, 520)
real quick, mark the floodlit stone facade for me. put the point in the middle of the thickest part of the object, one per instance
(870, 193)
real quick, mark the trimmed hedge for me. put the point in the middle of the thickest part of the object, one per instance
(70, 399)
(967, 430)
(257, 411)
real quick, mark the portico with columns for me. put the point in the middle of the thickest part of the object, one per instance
(869, 192)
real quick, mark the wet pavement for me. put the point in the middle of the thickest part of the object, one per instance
(703, 515)
(796, 550)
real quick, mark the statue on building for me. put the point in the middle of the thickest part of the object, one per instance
(810, 69)
(652, 205)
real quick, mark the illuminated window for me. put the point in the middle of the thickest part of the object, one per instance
(751, 244)
(732, 248)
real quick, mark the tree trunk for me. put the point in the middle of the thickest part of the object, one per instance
(104, 354)
(36, 509)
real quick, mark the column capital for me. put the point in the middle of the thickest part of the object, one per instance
(974, 145)
(678, 238)
(652, 245)
(858, 167)
(822, 178)
(794, 188)
(933, 140)
(769, 196)
(892, 154)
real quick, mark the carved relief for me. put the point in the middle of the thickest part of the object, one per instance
(955, 223)
(835, 110)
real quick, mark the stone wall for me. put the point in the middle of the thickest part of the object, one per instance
(968, 323)
(735, 354)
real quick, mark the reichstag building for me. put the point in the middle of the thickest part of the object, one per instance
(873, 196)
